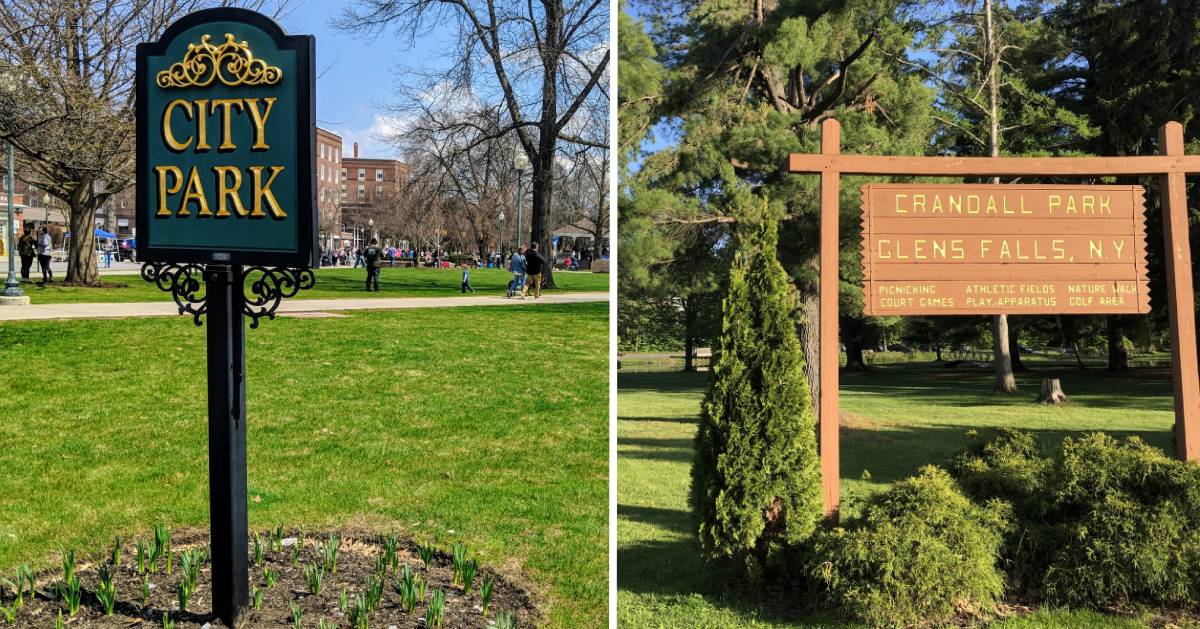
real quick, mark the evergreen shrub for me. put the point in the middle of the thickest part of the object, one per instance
(919, 553)
(1104, 523)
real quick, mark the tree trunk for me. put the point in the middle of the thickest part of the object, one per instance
(1014, 349)
(1002, 356)
(810, 339)
(854, 355)
(1005, 381)
(937, 350)
(1052, 392)
(1118, 357)
(82, 267)
(689, 337)
(1078, 358)
(543, 170)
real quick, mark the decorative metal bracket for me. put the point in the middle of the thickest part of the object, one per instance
(267, 288)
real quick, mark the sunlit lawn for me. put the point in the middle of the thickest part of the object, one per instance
(332, 283)
(486, 426)
(895, 419)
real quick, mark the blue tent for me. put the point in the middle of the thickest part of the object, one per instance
(100, 233)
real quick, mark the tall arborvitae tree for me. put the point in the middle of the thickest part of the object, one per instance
(756, 481)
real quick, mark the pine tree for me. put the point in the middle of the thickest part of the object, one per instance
(756, 480)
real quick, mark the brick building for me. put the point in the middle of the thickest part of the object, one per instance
(366, 178)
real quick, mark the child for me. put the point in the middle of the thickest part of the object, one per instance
(466, 279)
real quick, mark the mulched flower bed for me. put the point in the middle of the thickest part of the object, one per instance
(356, 564)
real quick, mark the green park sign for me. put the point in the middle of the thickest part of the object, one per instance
(225, 135)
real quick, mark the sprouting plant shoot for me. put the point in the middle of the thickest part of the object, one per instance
(58, 622)
(330, 553)
(295, 554)
(342, 601)
(162, 542)
(381, 567)
(426, 554)
(256, 596)
(145, 591)
(313, 575)
(115, 559)
(407, 584)
(167, 622)
(183, 592)
(374, 593)
(323, 624)
(9, 614)
(68, 560)
(106, 590)
(485, 591)
(141, 556)
(459, 556)
(297, 615)
(170, 558)
(435, 614)
(469, 570)
(503, 621)
(258, 549)
(359, 612)
(270, 576)
(390, 541)
(70, 592)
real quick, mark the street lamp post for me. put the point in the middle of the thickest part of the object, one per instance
(500, 239)
(520, 162)
(12, 287)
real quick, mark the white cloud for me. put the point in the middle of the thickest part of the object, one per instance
(373, 140)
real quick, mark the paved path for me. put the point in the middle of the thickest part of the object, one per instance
(159, 308)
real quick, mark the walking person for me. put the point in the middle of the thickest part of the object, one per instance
(517, 266)
(466, 278)
(45, 246)
(27, 247)
(533, 271)
(373, 257)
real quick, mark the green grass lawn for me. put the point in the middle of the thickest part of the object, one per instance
(332, 283)
(485, 426)
(895, 419)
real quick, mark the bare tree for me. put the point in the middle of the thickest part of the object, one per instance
(544, 60)
(472, 162)
(67, 99)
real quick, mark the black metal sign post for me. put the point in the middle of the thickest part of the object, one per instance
(227, 443)
(226, 216)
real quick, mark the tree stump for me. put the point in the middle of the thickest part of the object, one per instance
(1052, 392)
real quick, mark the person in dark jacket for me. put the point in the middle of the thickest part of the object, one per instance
(27, 247)
(373, 256)
(533, 271)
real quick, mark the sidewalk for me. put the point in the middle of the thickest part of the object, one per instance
(60, 268)
(168, 308)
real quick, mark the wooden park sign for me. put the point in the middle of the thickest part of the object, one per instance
(226, 203)
(990, 248)
(938, 249)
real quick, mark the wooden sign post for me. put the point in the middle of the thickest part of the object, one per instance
(1005, 249)
(226, 199)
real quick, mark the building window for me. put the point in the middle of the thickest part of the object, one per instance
(343, 173)
(362, 174)
(378, 174)
(378, 191)
(362, 191)
(337, 155)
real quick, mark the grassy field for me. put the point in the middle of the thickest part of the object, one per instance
(334, 283)
(485, 426)
(895, 418)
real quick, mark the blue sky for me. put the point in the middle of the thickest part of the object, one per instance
(355, 75)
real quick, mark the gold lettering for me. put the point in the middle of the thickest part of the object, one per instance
(1118, 245)
(1089, 204)
(227, 104)
(168, 135)
(202, 125)
(900, 210)
(1096, 249)
(970, 198)
(1054, 202)
(918, 203)
(263, 191)
(226, 192)
(1104, 201)
(1060, 252)
(194, 192)
(956, 204)
(164, 190)
(260, 122)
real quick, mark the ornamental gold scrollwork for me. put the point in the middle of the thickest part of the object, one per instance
(231, 63)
